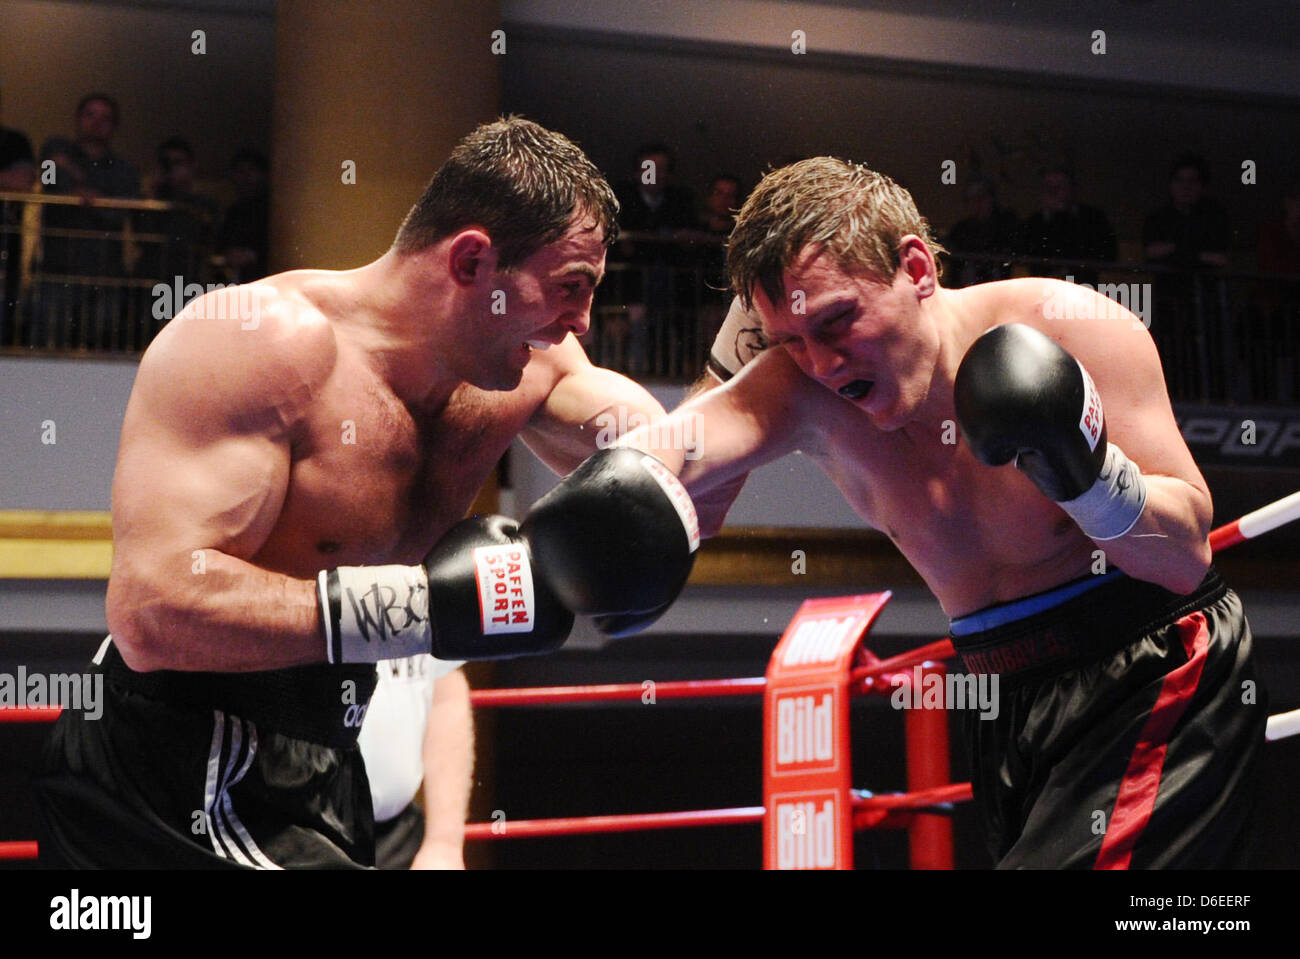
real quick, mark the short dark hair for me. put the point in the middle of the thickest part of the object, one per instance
(1061, 168)
(1193, 160)
(657, 146)
(103, 98)
(174, 145)
(517, 180)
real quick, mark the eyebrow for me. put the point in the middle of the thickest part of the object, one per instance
(828, 312)
(582, 269)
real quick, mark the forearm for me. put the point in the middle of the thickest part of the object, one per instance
(213, 612)
(448, 772)
(1169, 543)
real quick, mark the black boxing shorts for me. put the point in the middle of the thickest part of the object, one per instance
(211, 771)
(1129, 727)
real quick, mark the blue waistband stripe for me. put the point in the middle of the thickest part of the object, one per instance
(1004, 613)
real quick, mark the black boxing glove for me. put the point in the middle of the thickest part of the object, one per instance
(1019, 396)
(475, 596)
(616, 538)
(618, 625)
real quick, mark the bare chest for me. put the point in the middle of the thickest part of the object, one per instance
(373, 481)
(977, 535)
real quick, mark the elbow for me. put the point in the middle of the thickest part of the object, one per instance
(1190, 573)
(135, 617)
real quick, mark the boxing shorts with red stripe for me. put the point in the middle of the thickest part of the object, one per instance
(1129, 728)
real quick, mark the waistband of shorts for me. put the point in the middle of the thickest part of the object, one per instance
(1073, 624)
(312, 703)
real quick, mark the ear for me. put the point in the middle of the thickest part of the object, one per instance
(917, 263)
(470, 256)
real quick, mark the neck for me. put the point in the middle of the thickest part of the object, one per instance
(945, 310)
(401, 318)
(93, 148)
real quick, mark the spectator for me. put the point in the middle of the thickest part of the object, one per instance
(1279, 239)
(653, 202)
(17, 175)
(1189, 232)
(242, 240)
(1064, 228)
(1275, 330)
(655, 288)
(80, 301)
(175, 242)
(986, 229)
(721, 202)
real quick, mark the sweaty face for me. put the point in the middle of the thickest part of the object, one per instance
(863, 339)
(537, 303)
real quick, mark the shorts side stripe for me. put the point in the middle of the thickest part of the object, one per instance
(228, 809)
(1137, 790)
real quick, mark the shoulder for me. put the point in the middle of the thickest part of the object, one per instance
(58, 145)
(15, 140)
(739, 340)
(257, 346)
(1105, 333)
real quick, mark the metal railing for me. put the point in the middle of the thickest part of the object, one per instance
(1225, 336)
(82, 276)
(105, 276)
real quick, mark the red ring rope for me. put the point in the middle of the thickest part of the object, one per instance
(869, 811)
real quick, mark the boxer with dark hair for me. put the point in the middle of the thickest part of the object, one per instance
(296, 459)
(1015, 441)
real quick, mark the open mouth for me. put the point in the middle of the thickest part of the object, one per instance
(856, 389)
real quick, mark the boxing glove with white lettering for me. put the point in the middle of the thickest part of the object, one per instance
(1019, 396)
(475, 596)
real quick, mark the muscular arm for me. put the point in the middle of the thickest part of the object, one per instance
(202, 472)
(761, 414)
(1169, 544)
(448, 774)
(712, 506)
(588, 407)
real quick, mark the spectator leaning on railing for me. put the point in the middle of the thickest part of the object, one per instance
(180, 237)
(1064, 228)
(987, 228)
(242, 239)
(17, 174)
(79, 301)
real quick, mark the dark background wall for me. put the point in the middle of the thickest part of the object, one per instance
(739, 110)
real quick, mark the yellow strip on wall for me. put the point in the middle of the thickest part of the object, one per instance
(55, 544)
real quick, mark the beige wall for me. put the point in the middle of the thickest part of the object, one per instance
(52, 53)
(389, 87)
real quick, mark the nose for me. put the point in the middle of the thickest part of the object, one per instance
(825, 362)
(578, 322)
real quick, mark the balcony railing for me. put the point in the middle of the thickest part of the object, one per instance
(82, 276)
(106, 276)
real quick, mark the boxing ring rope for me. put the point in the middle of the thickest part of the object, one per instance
(925, 735)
